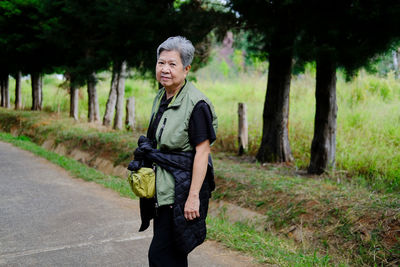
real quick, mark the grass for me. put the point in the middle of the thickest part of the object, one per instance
(265, 247)
(339, 217)
(368, 134)
(368, 129)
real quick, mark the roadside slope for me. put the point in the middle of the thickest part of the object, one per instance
(338, 219)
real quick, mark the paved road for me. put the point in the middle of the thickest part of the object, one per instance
(48, 218)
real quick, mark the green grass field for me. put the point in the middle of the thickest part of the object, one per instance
(368, 134)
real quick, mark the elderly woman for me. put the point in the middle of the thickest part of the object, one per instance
(182, 127)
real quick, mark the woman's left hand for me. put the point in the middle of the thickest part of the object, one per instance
(192, 207)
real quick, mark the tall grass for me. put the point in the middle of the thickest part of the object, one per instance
(368, 135)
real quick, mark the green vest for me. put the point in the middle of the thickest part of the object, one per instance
(172, 134)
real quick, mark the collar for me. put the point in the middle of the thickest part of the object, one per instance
(176, 99)
(181, 95)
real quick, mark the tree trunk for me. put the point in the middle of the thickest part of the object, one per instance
(130, 113)
(243, 135)
(74, 99)
(5, 96)
(323, 148)
(119, 113)
(1, 92)
(41, 91)
(112, 97)
(275, 146)
(396, 59)
(18, 90)
(93, 103)
(6, 92)
(36, 91)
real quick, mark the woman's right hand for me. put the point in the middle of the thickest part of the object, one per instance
(192, 207)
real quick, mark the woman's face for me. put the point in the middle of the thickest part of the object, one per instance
(170, 71)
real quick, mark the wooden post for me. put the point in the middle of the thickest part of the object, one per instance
(130, 113)
(243, 128)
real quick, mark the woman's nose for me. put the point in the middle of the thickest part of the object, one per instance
(165, 68)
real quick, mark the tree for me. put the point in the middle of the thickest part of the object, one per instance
(75, 30)
(332, 33)
(112, 98)
(93, 101)
(23, 46)
(6, 11)
(139, 28)
(396, 59)
(276, 26)
(133, 24)
(17, 77)
(92, 35)
(5, 97)
(37, 92)
(74, 95)
(118, 120)
(342, 34)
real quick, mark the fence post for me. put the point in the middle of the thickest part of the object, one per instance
(130, 113)
(243, 136)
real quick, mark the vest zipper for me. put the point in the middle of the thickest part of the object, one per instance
(162, 129)
(155, 195)
(154, 167)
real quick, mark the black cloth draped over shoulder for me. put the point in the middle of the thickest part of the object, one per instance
(187, 234)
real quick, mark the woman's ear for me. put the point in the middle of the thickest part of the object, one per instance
(187, 69)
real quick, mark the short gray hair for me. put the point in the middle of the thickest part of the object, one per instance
(180, 44)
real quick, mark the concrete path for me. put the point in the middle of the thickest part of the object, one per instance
(48, 218)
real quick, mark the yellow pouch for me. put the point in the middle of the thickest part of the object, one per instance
(143, 182)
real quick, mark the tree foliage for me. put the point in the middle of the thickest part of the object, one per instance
(353, 32)
(82, 37)
(21, 44)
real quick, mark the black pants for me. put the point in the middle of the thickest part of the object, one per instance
(162, 251)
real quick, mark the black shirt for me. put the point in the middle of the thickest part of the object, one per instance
(200, 124)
